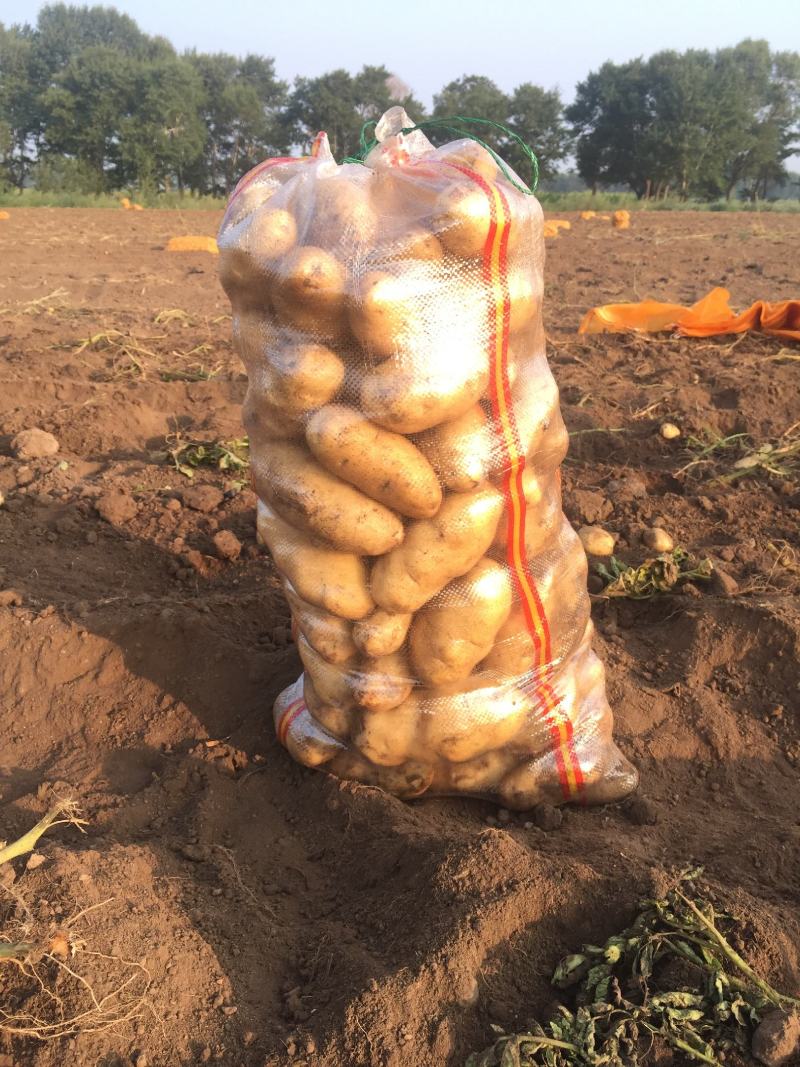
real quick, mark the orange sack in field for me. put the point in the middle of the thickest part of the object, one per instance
(192, 244)
(621, 220)
(710, 316)
(552, 226)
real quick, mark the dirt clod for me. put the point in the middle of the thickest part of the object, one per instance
(723, 584)
(227, 544)
(116, 507)
(203, 497)
(34, 444)
(777, 1038)
(641, 811)
(547, 817)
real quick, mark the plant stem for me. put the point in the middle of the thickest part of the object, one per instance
(734, 957)
(27, 843)
(687, 1048)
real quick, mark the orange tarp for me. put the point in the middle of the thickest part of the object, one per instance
(552, 226)
(192, 244)
(709, 316)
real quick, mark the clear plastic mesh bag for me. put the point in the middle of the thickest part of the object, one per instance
(406, 441)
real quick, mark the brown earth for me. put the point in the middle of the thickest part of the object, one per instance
(281, 915)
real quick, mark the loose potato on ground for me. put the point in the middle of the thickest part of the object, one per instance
(333, 580)
(384, 465)
(462, 218)
(455, 631)
(409, 400)
(312, 499)
(309, 292)
(437, 550)
(464, 721)
(380, 684)
(460, 450)
(329, 635)
(389, 738)
(344, 214)
(336, 720)
(382, 632)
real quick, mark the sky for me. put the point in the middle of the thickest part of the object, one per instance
(430, 42)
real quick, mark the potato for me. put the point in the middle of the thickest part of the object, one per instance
(532, 782)
(409, 400)
(333, 580)
(437, 550)
(389, 738)
(292, 377)
(246, 202)
(534, 396)
(524, 297)
(243, 279)
(309, 292)
(460, 450)
(343, 212)
(474, 157)
(462, 218)
(607, 775)
(415, 242)
(336, 720)
(297, 729)
(353, 767)
(382, 632)
(265, 422)
(384, 465)
(271, 233)
(464, 721)
(457, 629)
(332, 683)
(543, 516)
(310, 498)
(383, 683)
(407, 781)
(481, 775)
(327, 634)
(382, 314)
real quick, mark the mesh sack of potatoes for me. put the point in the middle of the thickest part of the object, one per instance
(406, 439)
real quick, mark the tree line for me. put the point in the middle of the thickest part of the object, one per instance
(91, 103)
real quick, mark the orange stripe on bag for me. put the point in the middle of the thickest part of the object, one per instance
(495, 274)
(284, 723)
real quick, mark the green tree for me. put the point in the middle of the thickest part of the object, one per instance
(340, 103)
(241, 107)
(163, 135)
(18, 110)
(537, 116)
(610, 118)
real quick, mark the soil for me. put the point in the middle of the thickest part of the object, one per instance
(283, 916)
